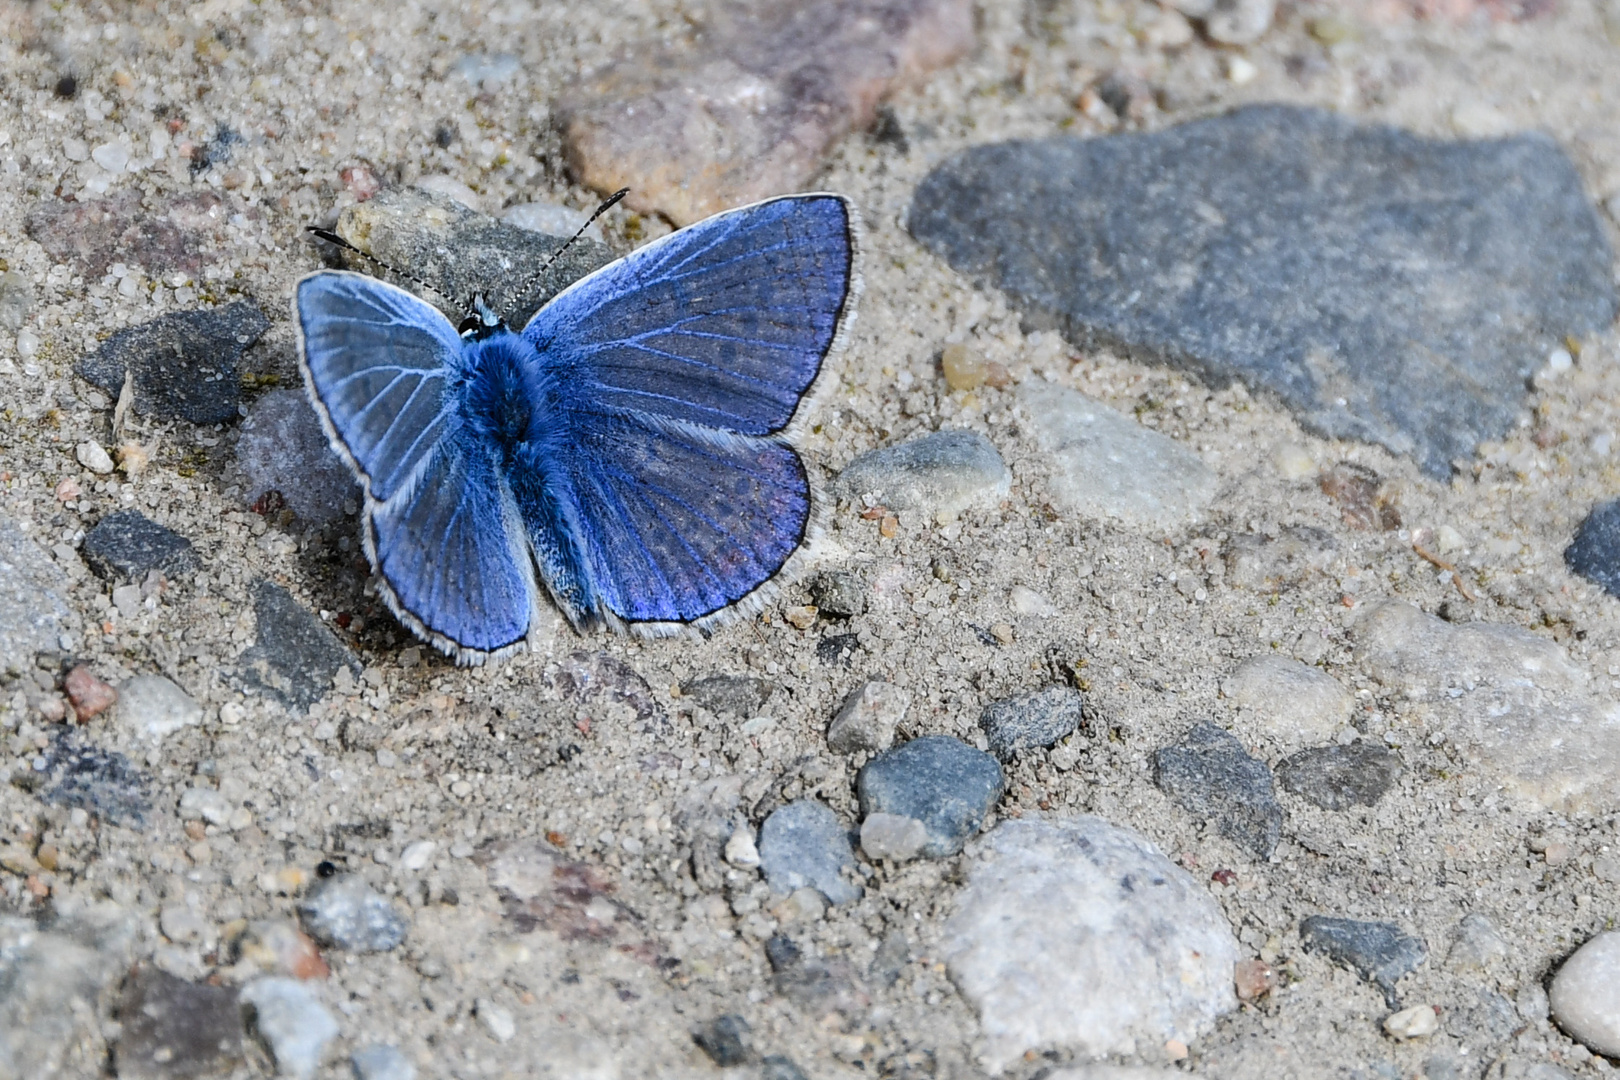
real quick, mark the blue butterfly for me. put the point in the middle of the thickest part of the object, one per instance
(631, 451)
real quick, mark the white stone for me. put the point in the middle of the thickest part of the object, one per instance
(1105, 1071)
(127, 599)
(1585, 995)
(894, 837)
(1027, 602)
(1296, 705)
(553, 219)
(181, 924)
(380, 1061)
(497, 1020)
(152, 707)
(27, 344)
(93, 456)
(452, 188)
(1083, 937)
(112, 156)
(205, 803)
(1511, 701)
(1294, 462)
(416, 856)
(1417, 1022)
(75, 149)
(868, 717)
(741, 850)
(1240, 70)
(1448, 540)
(1106, 465)
(293, 1023)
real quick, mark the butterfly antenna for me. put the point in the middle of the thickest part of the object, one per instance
(607, 204)
(333, 238)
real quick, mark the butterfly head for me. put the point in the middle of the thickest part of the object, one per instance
(480, 322)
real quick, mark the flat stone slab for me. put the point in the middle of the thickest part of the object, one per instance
(1083, 937)
(1386, 287)
(294, 657)
(184, 363)
(126, 545)
(1210, 775)
(1109, 466)
(1380, 952)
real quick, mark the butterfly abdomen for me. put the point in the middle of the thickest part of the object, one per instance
(503, 392)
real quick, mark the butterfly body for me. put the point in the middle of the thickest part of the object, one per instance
(630, 451)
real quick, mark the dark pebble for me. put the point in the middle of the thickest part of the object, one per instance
(838, 594)
(1595, 552)
(1210, 775)
(724, 1039)
(1379, 952)
(126, 545)
(838, 650)
(737, 695)
(782, 952)
(1385, 286)
(176, 1030)
(185, 363)
(1031, 721)
(294, 657)
(104, 782)
(939, 780)
(777, 1067)
(1339, 777)
(804, 844)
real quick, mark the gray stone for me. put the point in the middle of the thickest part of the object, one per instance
(1511, 702)
(803, 844)
(461, 253)
(741, 696)
(1108, 466)
(941, 781)
(1585, 995)
(838, 593)
(1210, 775)
(778, 1067)
(752, 106)
(346, 912)
(1487, 1017)
(1475, 943)
(1380, 952)
(1595, 552)
(1339, 777)
(1293, 704)
(104, 782)
(1525, 1069)
(596, 680)
(16, 300)
(56, 981)
(34, 614)
(1082, 937)
(126, 545)
(292, 1023)
(890, 960)
(868, 717)
(1264, 564)
(725, 1039)
(553, 219)
(282, 449)
(1031, 721)
(379, 1061)
(185, 362)
(940, 474)
(1386, 287)
(892, 837)
(176, 1030)
(151, 707)
(294, 657)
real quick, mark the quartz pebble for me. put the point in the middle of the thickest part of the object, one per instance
(1032, 721)
(1291, 703)
(497, 1020)
(803, 844)
(417, 855)
(1339, 777)
(126, 545)
(1210, 775)
(282, 449)
(1417, 1022)
(945, 473)
(185, 363)
(868, 717)
(940, 781)
(93, 456)
(892, 837)
(152, 707)
(1083, 937)
(292, 1022)
(1108, 466)
(34, 613)
(1585, 994)
(963, 368)
(1380, 952)
(346, 912)
(1510, 701)
(741, 851)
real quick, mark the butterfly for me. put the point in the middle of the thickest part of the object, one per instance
(630, 453)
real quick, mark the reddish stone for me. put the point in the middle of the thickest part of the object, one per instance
(95, 233)
(753, 106)
(1253, 979)
(1223, 876)
(360, 182)
(88, 694)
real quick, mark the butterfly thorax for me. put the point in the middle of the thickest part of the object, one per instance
(501, 384)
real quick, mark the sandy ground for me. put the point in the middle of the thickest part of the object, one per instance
(480, 755)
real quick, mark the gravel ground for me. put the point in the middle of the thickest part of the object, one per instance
(427, 781)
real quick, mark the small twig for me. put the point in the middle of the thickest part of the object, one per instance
(1456, 578)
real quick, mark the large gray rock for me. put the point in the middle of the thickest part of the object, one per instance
(1084, 937)
(33, 600)
(1386, 287)
(1585, 994)
(53, 986)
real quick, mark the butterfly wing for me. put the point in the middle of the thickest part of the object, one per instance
(685, 363)
(381, 367)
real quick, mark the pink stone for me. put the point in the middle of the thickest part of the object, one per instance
(753, 106)
(89, 694)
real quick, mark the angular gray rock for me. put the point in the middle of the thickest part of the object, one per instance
(804, 844)
(283, 449)
(1387, 287)
(34, 612)
(53, 984)
(294, 656)
(943, 473)
(1108, 466)
(1380, 952)
(1210, 775)
(346, 912)
(292, 1022)
(151, 707)
(175, 1030)
(868, 717)
(1339, 777)
(106, 783)
(940, 781)
(1595, 552)
(741, 696)
(1031, 721)
(1083, 937)
(185, 362)
(126, 545)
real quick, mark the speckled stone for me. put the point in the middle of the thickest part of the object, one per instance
(1031, 721)
(804, 844)
(346, 912)
(1380, 952)
(1289, 702)
(185, 362)
(943, 473)
(1210, 775)
(104, 782)
(1385, 286)
(940, 781)
(1340, 777)
(725, 1039)
(1082, 937)
(126, 545)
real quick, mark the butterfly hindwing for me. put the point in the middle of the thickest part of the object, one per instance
(724, 323)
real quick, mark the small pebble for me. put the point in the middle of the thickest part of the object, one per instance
(1475, 943)
(1253, 979)
(868, 718)
(838, 594)
(380, 1061)
(88, 694)
(417, 855)
(803, 617)
(497, 1020)
(938, 780)
(801, 905)
(892, 837)
(946, 472)
(804, 844)
(126, 545)
(1028, 603)
(1294, 462)
(346, 912)
(725, 1039)
(1210, 775)
(293, 1023)
(1417, 1022)
(777, 1067)
(1585, 994)
(177, 1029)
(737, 695)
(93, 456)
(740, 849)
(1380, 952)
(964, 368)
(1293, 704)
(1032, 721)
(1340, 777)
(112, 156)
(153, 707)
